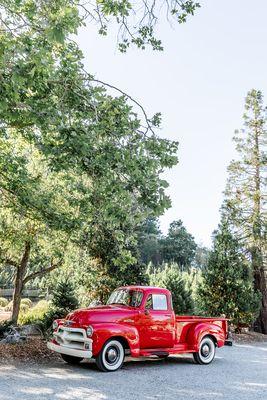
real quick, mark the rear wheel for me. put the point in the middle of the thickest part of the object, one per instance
(206, 352)
(71, 360)
(111, 357)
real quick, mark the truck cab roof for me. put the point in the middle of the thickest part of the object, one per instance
(150, 289)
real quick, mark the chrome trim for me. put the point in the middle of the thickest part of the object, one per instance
(73, 338)
(69, 351)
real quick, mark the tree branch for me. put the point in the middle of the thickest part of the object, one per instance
(42, 272)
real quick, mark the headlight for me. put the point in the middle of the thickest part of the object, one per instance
(55, 325)
(89, 331)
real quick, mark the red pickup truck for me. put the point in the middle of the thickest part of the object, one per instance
(137, 321)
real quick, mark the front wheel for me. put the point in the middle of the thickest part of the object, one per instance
(206, 352)
(71, 360)
(111, 356)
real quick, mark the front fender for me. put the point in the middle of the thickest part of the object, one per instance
(198, 331)
(105, 331)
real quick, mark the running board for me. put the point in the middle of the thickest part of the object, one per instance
(178, 349)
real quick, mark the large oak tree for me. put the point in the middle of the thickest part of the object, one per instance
(50, 103)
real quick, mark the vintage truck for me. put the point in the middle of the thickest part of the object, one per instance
(137, 321)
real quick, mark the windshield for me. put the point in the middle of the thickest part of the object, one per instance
(127, 297)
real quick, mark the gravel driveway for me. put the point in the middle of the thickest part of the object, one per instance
(238, 372)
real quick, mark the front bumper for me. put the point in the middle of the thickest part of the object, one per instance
(69, 351)
(71, 341)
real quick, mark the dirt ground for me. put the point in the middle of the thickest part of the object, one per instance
(32, 351)
(4, 316)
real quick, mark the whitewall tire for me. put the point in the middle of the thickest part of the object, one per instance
(111, 357)
(206, 352)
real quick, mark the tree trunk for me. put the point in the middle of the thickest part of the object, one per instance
(257, 253)
(20, 274)
(260, 284)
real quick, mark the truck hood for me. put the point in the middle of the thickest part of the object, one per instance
(107, 313)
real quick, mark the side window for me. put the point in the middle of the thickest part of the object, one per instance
(156, 302)
(159, 302)
(149, 303)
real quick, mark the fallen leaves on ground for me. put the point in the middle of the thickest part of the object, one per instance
(33, 350)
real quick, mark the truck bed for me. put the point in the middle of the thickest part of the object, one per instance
(185, 322)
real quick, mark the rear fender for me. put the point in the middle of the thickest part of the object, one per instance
(198, 331)
(105, 331)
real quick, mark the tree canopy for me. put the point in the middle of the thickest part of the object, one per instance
(77, 164)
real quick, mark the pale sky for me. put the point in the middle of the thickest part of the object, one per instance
(198, 84)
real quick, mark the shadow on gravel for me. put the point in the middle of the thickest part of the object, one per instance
(136, 363)
(235, 374)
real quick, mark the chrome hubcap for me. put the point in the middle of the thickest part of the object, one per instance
(205, 350)
(112, 355)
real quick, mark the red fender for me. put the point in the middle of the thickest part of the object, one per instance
(198, 331)
(105, 331)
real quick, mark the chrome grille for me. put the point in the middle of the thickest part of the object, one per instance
(74, 338)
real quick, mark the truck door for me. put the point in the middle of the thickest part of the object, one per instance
(156, 323)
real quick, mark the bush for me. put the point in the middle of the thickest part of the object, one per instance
(44, 313)
(26, 302)
(3, 302)
(34, 315)
(9, 306)
(25, 305)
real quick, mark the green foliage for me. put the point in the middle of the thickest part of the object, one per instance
(42, 314)
(179, 246)
(72, 156)
(173, 280)
(34, 315)
(80, 169)
(96, 282)
(201, 257)
(26, 302)
(63, 301)
(137, 21)
(25, 305)
(9, 306)
(149, 236)
(244, 205)
(3, 302)
(227, 284)
(63, 296)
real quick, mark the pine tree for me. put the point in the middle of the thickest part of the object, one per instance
(227, 285)
(245, 203)
(63, 297)
(172, 279)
